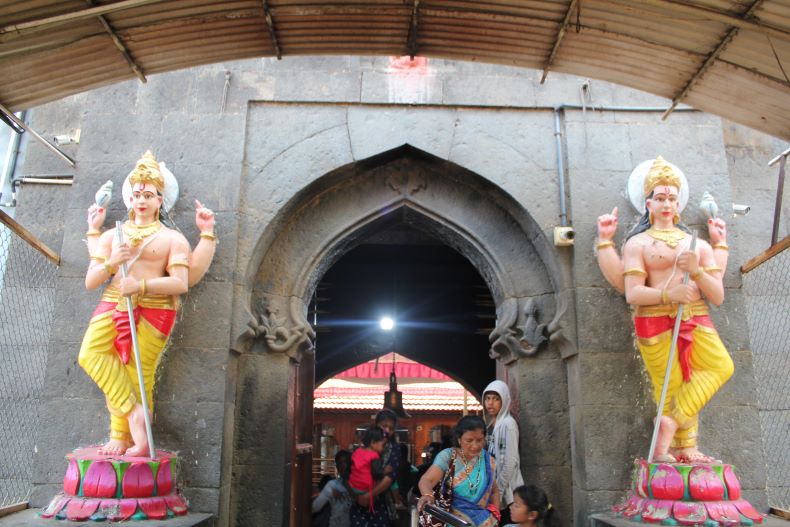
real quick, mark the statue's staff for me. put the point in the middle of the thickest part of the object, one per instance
(136, 351)
(673, 347)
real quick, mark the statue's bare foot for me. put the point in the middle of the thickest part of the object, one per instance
(136, 420)
(691, 455)
(666, 431)
(114, 447)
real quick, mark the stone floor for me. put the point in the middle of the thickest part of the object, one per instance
(30, 518)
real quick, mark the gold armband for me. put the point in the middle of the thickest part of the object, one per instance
(177, 264)
(93, 232)
(109, 269)
(712, 269)
(604, 245)
(98, 258)
(208, 236)
(696, 275)
(722, 246)
(635, 271)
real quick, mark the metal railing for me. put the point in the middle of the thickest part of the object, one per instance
(766, 283)
(28, 272)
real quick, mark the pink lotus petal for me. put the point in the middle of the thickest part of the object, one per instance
(747, 510)
(689, 512)
(55, 506)
(100, 480)
(642, 478)
(154, 508)
(667, 483)
(80, 510)
(176, 503)
(723, 512)
(634, 507)
(733, 485)
(71, 481)
(705, 485)
(164, 479)
(656, 511)
(138, 481)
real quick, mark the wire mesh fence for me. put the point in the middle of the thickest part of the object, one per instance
(27, 285)
(767, 289)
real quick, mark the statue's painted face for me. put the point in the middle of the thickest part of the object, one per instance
(665, 203)
(145, 200)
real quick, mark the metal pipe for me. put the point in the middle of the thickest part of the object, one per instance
(45, 181)
(560, 165)
(38, 136)
(10, 161)
(780, 187)
(558, 138)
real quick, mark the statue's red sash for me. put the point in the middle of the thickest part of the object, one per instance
(647, 327)
(161, 319)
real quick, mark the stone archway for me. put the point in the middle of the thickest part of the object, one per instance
(272, 416)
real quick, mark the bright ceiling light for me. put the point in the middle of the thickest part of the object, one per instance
(386, 323)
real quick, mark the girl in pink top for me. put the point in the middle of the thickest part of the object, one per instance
(366, 466)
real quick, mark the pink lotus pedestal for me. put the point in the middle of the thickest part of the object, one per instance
(99, 487)
(681, 494)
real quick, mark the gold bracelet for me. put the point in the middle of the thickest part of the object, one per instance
(696, 275)
(110, 269)
(664, 296)
(93, 232)
(142, 288)
(208, 235)
(604, 245)
(722, 246)
(98, 258)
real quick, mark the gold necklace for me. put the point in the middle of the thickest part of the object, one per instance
(472, 486)
(137, 233)
(672, 237)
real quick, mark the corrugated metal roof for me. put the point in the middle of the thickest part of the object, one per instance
(340, 394)
(727, 57)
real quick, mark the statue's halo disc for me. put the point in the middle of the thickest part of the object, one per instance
(171, 189)
(636, 185)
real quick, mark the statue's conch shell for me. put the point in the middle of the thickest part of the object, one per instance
(104, 194)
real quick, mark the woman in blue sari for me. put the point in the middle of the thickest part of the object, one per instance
(475, 494)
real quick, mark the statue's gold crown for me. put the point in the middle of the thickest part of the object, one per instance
(147, 171)
(661, 173)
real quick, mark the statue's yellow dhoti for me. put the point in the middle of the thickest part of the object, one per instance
(702, 366)
(106, 349)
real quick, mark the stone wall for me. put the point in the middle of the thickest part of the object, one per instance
(288, 123)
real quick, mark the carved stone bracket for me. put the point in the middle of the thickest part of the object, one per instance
(517, 333)
(282, 325)
(407, 181)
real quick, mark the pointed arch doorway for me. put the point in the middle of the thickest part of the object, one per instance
(269, 468)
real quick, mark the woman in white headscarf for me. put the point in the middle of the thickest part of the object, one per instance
(502, 437)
